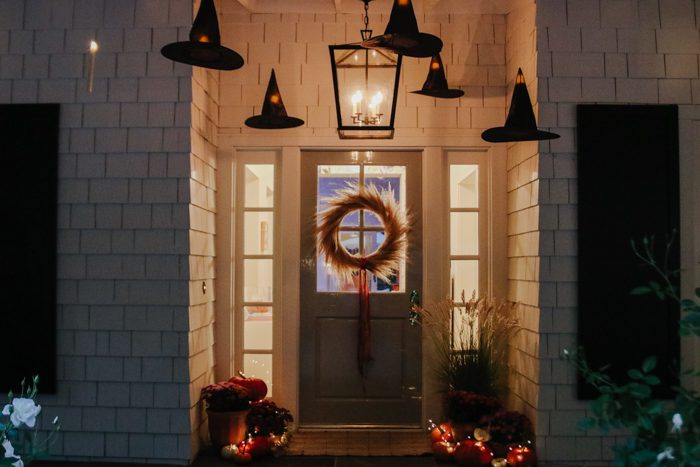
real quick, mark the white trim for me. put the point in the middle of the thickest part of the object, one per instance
(286, 319)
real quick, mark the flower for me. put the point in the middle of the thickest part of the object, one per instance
(509, 427)
(22, 410)
(677, 421)
(266, 418)
(9, 449)
(225, 396)
(19, 463)
(666, 454)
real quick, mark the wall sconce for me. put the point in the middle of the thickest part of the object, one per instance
(204, 48)
(366, 84)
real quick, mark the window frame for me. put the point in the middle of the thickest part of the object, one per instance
(244, 158)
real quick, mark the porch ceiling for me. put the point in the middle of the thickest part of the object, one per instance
(383, 6)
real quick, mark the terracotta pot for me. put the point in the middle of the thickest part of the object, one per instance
(227, 427)
(462, 430)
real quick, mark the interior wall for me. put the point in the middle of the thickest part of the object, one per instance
(523, 214)
(616, 51)
(122, 218)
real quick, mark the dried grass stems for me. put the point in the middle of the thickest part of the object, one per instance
(473, 357)
(386, 259)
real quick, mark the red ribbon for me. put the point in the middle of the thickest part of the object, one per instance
(364, 344)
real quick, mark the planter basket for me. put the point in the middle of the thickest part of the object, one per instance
(227, 427)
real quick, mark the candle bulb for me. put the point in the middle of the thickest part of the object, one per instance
(356, 99)
(91, 75)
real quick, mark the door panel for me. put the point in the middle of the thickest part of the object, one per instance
(332, 392)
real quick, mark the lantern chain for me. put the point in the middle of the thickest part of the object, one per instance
(366, 32)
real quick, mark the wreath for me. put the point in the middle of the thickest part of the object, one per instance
(387, 257)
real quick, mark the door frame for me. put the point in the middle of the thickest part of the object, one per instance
(286, 325)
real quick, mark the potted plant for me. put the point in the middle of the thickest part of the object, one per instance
(471, 341)
(227, 406)
(508, 427)
(267, 427)
(467, 410)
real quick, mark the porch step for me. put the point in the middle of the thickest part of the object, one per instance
(359, 443)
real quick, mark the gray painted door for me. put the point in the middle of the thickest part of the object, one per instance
(332, 392)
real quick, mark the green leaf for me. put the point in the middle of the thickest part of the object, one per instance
(641, 290)
(640, 391)
(649, 364)
(586, 424)
(635, 374)
(652, 380)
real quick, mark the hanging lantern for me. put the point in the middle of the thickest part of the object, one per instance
(366, 83)
(436, 83)
(520, 123)
(402, 35)
(273, 115)
(204, 48)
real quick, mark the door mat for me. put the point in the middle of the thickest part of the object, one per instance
(359, 443)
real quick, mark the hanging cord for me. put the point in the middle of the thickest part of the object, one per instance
(366, 32)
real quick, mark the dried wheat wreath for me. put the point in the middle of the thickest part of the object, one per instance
(396, 222)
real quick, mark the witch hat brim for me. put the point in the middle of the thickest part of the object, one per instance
(418, 45)
(272, 122)
(520, 123)
(203, 54)
(273, 115)
(436, 83)
(504, 134)
(441, 93)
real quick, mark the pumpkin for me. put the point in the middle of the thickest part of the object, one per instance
(443, 451)
(473, 454)
(441, 433)
(259, 446)
(522, 456)
(256, 386)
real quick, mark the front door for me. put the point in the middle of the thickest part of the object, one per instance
(332, 391)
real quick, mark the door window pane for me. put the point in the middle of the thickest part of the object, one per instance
(257, 327)
(464, 186)
(257, 280)
(259, 366)
(258, 233)
(464, 233)
(259, 185)
(332, 178)
(465, 278)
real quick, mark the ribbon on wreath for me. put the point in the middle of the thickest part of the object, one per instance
(364, 336)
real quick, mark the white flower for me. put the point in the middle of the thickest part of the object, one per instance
(666, 454)
(9, 450)
(677, 423)
(24, 410)
(19, 463)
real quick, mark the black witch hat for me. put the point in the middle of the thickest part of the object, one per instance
(273, 115)
(520, 123)
(436, 83)
(402, 35)
(204, 48)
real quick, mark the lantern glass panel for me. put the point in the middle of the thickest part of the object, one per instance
(365, 84)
